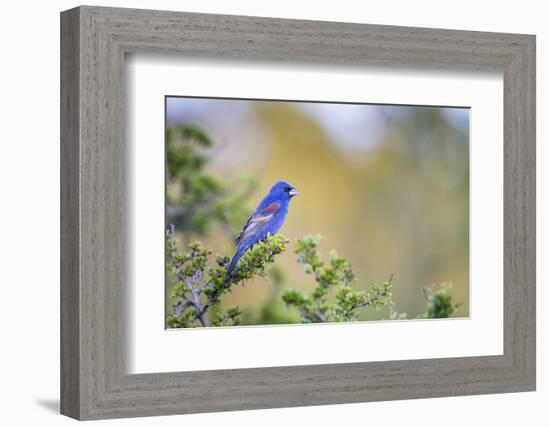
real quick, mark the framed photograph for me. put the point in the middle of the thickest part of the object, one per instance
(277, 213)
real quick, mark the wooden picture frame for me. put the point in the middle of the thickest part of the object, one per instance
(94, 41)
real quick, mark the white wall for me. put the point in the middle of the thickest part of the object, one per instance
(29, 225)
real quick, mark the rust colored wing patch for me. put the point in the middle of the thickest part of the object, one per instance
(257, 221)
(271, 208)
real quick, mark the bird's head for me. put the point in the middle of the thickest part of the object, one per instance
(283, 190)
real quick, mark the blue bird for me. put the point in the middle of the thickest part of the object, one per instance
(268, 218)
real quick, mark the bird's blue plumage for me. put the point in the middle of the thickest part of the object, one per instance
(268, 218)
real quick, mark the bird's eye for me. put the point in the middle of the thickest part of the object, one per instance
(287, 189)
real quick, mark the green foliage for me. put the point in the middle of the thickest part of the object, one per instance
(440, 302)
(230, 318)
(195, 198)
(199, 287)
(254, 262)
(334, 298)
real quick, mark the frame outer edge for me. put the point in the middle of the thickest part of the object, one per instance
(92, 39)
(520, 215)
(527, 130)
(532, 225)
(70, 396)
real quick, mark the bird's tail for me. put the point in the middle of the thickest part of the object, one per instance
(233, 263)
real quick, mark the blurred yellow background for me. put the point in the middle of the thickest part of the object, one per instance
(387, 187)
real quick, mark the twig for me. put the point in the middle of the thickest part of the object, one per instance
(426, 294)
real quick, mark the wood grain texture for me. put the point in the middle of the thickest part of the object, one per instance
(94, 382)
(70, 258)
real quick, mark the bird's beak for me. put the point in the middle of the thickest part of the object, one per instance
(293, 192)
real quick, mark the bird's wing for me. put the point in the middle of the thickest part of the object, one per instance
(257, 221)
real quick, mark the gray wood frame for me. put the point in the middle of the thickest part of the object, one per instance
(94, 41)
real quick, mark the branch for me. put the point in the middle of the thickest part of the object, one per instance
(201, 289)
(322, 305)
(176, 263)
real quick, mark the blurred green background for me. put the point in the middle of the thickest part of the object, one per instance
(387, 186)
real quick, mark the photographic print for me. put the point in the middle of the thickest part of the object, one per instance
(292, 212)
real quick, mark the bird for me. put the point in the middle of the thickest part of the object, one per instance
(267, 219)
